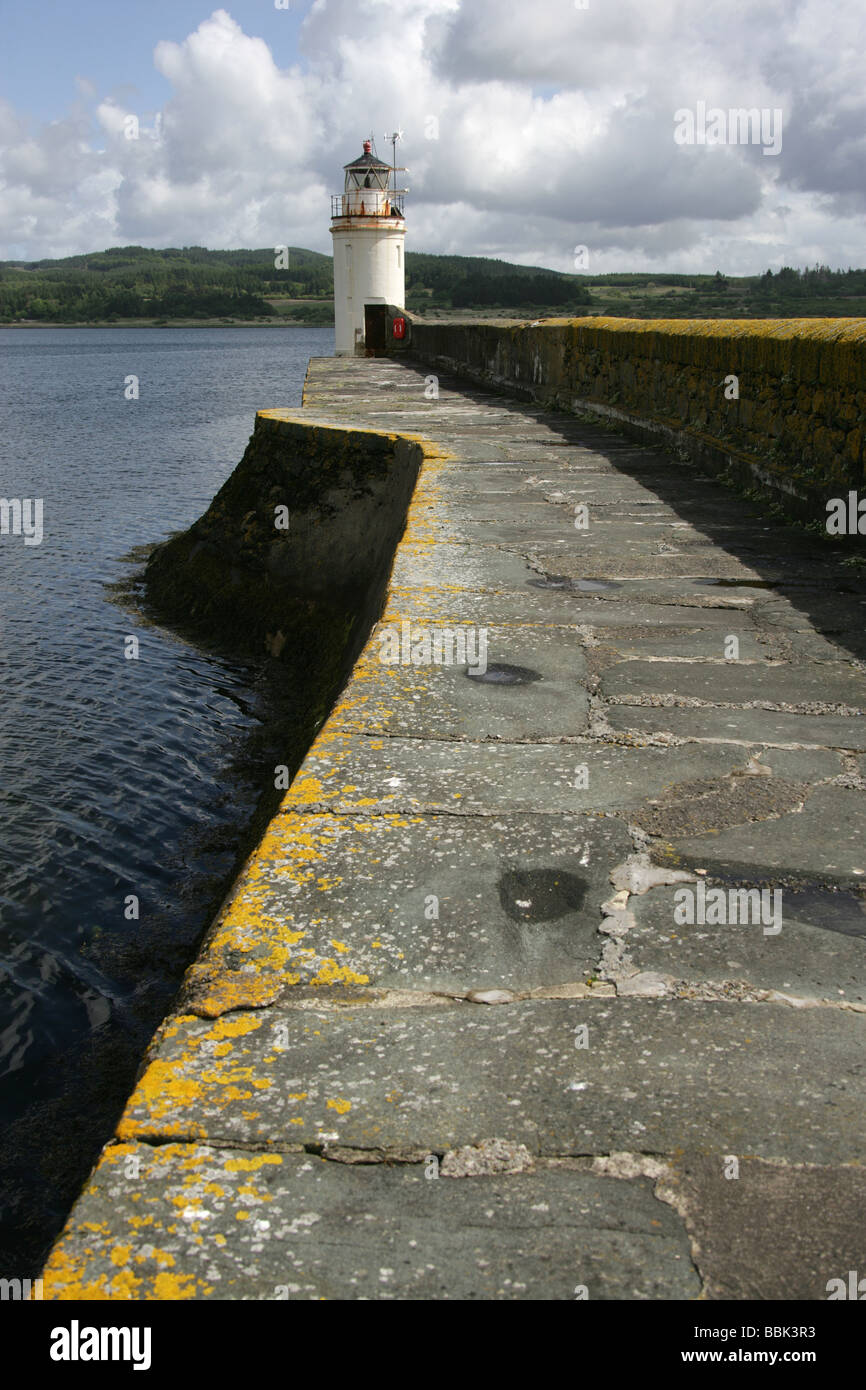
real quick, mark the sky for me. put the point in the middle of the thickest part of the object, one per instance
(561, 133)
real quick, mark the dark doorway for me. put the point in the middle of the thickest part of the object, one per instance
(375, 316)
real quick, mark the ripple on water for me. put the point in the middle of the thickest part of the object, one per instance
(115, 772)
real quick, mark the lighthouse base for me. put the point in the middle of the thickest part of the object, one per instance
(368, 271)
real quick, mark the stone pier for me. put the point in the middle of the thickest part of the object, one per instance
(452, 1035)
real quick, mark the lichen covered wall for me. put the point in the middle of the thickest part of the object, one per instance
(296, 547)
(794, 422)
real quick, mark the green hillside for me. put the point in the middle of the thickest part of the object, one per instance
(136, 283)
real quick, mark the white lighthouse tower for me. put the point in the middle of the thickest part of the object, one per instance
(369, 230)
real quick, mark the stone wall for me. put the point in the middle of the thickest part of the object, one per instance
(317, 579)
(797, 430)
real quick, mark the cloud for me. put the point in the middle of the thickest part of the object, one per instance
(554, 43)
(554, 127)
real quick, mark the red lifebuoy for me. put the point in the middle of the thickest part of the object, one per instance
(398, 328)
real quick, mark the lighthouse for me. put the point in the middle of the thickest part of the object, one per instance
(369, 230)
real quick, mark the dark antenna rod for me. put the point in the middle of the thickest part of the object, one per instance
(394, 137)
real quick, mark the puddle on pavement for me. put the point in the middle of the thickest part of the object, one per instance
(540, 895)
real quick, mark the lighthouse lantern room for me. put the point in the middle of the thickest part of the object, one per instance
(368, 228)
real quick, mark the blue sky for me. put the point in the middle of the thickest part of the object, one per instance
(545, 135)
(47, 45)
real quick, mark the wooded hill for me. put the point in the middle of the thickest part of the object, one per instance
(128, 283)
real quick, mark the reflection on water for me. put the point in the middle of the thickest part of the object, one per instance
(127, 782)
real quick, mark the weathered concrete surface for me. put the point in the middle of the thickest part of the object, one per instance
(768, 1230)
(456, 943)
(434, 902)
(817, 955)
(734, 724)
(489, 779)
(208, 1223)
(444, 702)
(826, 843)
(434, 1079)
(720, 681)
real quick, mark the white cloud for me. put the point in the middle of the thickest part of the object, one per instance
(555, 129)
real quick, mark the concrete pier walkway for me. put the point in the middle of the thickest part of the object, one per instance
(450, 1038)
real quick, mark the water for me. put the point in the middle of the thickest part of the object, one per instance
(122, 779)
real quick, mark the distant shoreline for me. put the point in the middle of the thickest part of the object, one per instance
(171, 323)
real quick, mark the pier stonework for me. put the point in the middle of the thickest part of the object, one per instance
(449, 1036)
(776, 404)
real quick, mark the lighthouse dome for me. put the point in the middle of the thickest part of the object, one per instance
(368, 190)
(367, 160)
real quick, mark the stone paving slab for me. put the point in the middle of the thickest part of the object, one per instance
(566, 482)
(694, 588)
(811, 765)
(527, 530)
(738, 682)
(768, 727)
(433, 902)
(467, 566)
(827, 648)
(820, 952)
(534, 602)
(696, 642)
(354, 773)
(656, 1077)
(484, 507)
(825, 842)
(604, 487)
(474, 480)
(224, 1224)
(840, 616)
(547, 698)
(775, 1231)
(633, 529)
(704, 562)
(360, 772)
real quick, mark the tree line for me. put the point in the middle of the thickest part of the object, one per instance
(136, 282)
(132, 282)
